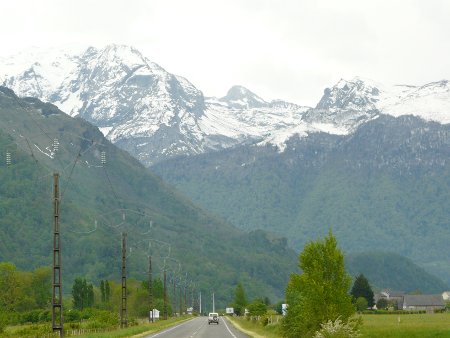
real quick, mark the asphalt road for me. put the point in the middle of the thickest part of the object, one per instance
(199, 328)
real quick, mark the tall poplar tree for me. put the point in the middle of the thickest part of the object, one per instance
(320, 292)
(240, 301)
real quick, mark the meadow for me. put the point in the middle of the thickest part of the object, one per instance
(379, 326)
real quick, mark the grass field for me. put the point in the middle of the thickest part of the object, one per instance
(379, 326)
(420, 325)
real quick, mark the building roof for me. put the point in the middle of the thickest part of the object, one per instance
(423, 300)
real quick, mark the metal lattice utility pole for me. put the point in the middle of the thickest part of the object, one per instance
(185, 299)
(165, 295)
(150, 288)
(123, 310)
(57, 309)
(174, 297)
(181, 302)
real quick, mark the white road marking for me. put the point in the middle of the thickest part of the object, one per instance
(197, 330)
(168, 330)
(225, 322)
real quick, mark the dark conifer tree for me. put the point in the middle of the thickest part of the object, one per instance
(361, 288)
(102, 291)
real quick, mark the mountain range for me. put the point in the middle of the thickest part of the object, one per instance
(369, 160)
(156, 115)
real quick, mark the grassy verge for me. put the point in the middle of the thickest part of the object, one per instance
(255, 329)
(138, 330)
(41, 330)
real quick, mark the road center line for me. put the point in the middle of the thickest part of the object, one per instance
(197, 330)
(225, 322)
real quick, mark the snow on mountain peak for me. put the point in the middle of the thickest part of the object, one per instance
(241, 97)
(154, 114)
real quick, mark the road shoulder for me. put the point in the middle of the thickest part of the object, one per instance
(143, 334)
(240, 328)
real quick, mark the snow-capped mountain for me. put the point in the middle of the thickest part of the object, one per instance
(350, 103)
(155, 115)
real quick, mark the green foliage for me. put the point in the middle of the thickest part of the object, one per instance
(382, 303)
(320, 292)
(257, 308)
(23, 291)
(82, 294)
(278, 307)
(361, 304)
(102, 291)
(41, 286)
(240, 300)
(392, 271)
(361, 288)
(73, 315)
(3, 320)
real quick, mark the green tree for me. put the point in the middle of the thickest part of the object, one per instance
(382, 303)
(90, 295)
(361, 304)
(11, 293)
(107, 291)
(361, 288)
(102, 291)
(77, 293)
(42, 286)
(320, 293)
(82, 294)
(240, 301)
(257, 308)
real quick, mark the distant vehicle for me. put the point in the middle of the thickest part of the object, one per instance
(213, 317)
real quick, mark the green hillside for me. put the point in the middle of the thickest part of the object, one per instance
(100, 201)
(385, 187)
(394, 272)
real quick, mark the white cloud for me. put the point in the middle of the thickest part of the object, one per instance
(289, 49)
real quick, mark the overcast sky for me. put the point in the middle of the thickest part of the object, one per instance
(289, 49)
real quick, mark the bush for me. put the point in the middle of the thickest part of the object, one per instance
(361, 304)
(105, 318)
(3, 321)
(382, 304)
(30, 316)
(72, 316)
(34, 331)
(264, 320)
(338, 329)
(45, 316)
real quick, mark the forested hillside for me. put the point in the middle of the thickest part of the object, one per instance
(384, 187)
(104, 192)
(386, 270)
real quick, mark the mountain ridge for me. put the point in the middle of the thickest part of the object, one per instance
(156, 115)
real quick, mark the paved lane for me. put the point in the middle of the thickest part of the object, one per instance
(199, 328)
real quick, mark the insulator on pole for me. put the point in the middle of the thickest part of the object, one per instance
(55, 145)
(8, 158)
(103, 157)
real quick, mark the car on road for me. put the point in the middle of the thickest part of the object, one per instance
(213, 317)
